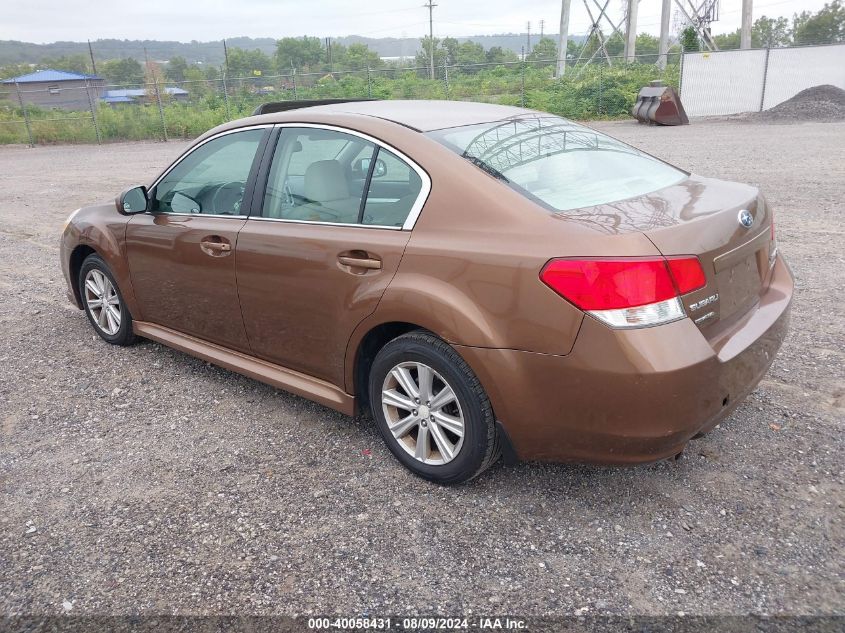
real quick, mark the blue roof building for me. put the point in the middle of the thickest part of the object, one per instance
(56, 89)
(134, 95)
(51, 76)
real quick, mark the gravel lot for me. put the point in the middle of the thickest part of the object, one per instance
(140, 480)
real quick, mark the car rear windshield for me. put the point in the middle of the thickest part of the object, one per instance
(558, 163)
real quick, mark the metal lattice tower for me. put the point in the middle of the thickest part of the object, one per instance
(700, 14)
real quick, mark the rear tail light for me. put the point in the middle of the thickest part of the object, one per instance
(626, 293)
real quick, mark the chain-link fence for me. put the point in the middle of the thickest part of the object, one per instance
(94, 112)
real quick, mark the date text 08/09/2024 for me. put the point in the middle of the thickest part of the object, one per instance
(416, 623)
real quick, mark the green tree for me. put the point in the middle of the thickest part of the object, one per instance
(301, 53)
(770, 32)
(175, 69)
(827, 26)
(544, 51)
(70, 63)
(615, 45)
(254, 63)
(765, 33)
(359, 56)
(499, 55)
(122, 71)
(727, 41)
(647, 48)
(573, 49)
(14, 70)
(470, 53)
(452, 46)
(196, 83)
(422, 58)
(689, 39)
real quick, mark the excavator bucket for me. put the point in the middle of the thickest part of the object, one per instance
(659, 104)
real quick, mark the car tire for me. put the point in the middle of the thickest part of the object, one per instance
(421, 364)
(111, 320)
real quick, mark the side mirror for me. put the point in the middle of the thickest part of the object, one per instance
(133, 200)
(380, 169)
(363, 166)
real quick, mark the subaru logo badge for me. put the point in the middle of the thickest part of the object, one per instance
(745, 218)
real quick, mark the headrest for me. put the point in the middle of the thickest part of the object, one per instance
(325, 181)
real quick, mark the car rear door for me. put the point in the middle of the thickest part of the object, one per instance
(313, 262)
(182, 253)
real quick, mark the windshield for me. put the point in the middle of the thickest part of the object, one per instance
(559, 163)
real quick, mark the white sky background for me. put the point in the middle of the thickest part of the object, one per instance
(204, 20)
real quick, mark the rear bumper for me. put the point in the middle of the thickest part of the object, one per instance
(631, 396)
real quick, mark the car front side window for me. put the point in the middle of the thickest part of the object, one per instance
(211, 179)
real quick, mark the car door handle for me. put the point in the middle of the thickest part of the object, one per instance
(359, 262)
(219, 247)
(215, 246)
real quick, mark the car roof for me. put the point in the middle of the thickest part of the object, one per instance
(420, 115)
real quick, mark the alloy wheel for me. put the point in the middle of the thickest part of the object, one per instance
(423, 413)
(103, 301)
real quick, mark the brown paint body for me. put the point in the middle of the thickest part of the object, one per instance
(282, 308)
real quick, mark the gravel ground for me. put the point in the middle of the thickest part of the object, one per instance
(140, 480)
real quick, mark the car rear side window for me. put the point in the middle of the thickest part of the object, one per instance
(212, 178)
(394, 189)
(316, 176)
(558, 163)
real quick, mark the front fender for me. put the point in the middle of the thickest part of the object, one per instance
(103, 230)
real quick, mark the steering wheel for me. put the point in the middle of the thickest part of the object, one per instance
(227, 199)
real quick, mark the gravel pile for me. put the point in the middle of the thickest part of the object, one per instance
(819, 103)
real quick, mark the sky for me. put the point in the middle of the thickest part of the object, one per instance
(44, 21)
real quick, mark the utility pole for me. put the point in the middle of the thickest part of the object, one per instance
(430, 6)
(542, 28)
(528, 27)
(745, 31)
(91, 53)
(663, 56)
(631, 31)
(562, 38)
(329, 53)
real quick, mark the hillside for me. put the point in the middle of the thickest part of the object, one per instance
(14, 52)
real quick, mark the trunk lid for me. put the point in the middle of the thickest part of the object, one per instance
(701, 217)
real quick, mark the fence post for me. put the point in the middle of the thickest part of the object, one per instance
(25, 115)
(522, 89)
(369, 84)
(681, 71)
(601, 85)
(446, 75)
(93, 111)
(765, 78)
(294, 84)
(160, 109)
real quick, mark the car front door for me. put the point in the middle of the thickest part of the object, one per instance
(182, 252)
(317, 259)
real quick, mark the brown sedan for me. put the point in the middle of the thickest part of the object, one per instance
(482, 279)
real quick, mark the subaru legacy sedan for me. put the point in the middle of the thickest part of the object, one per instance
(481, 280)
